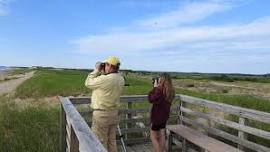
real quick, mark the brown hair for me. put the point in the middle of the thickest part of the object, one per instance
(165, 84)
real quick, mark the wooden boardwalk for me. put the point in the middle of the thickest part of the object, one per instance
(147, 147)
(208, 117)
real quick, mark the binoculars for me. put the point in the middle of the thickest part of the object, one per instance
(102, 65)
(155, 79)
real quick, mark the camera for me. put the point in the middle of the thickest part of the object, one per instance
(155, 79)
(102, 66)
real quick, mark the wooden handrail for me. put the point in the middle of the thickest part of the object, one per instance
(79, 135)
(244, 112)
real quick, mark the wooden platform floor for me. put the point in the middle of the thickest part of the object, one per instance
(147, 147)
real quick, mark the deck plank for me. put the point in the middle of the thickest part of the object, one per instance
(137, 148)
(201, 140)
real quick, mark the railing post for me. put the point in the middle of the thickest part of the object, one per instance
(75, 133)
(184, 145)
(74, 143)
(129, 116)
(179, 112)
(170, 141)
(63, 133)
(242, 134)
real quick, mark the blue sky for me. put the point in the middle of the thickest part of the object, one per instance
(220, 36)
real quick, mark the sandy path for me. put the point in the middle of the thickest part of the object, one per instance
(10, 85)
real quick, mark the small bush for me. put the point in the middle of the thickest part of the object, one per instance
(224, 91)
(222, 77)
(190, 85)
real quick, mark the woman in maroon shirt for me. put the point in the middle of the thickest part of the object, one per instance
(161, 97)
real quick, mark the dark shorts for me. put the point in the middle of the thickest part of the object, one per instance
(157, 127)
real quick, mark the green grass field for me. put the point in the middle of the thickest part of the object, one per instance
(36, 127)
(47, 83)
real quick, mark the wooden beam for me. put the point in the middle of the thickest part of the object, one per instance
(247, 129)
(86, 138)
(241, 134)
(63, 143)
(244, 112)
(225, 135)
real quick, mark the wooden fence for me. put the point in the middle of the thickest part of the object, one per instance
(243, 128)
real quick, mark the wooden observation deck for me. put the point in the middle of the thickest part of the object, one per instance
(241, 128)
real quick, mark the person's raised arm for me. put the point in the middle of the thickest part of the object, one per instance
(94, 79)
(155, 95)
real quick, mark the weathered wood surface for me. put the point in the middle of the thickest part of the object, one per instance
(237, 126)
(63, 122)
(242, 134)
(144, 147)
(182, 110)
(125, 111)
(203, 141)
(79, 132)
(243, 112)
(226, 135)
(129, 98)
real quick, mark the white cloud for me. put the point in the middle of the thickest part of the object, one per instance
(163, 36)
(190, 13)
(253, 35)
(174, 43)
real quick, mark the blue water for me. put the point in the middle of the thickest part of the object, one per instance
(3, 68)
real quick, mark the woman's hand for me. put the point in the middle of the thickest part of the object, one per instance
(156, 83)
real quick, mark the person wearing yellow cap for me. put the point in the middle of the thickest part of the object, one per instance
(107, 86)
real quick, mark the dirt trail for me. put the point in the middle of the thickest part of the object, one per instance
(8, 86)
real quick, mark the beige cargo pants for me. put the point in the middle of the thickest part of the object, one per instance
(104, 125)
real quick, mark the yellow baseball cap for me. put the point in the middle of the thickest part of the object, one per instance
(112, 60)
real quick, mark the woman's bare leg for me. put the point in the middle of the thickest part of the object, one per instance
(162, 140)
(155, 141)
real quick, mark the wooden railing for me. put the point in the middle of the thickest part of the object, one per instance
(76, 136)
(132, 132)
(234, 125)
(231, 124)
